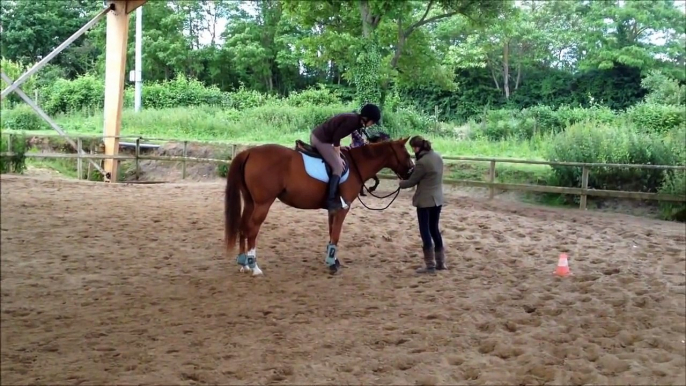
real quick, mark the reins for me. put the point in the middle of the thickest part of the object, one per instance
(396, 192)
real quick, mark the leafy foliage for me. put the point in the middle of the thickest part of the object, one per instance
(17, 162)
(578, 80)
(592, 143)
(23, 118)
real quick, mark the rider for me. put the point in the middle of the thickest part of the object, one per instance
(326, 138)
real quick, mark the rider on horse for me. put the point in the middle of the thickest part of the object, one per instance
(326, 138)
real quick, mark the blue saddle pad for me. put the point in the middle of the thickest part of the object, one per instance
(319, 170)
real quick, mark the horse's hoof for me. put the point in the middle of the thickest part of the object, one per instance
(333, 269)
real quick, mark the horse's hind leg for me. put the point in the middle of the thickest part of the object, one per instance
(242, 258)
(259, 214)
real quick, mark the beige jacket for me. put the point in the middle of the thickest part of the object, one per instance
(428, 177)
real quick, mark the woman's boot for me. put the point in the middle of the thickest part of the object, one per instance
(429, 261)
(440, 259)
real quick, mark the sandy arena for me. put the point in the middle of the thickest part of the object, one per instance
(127, 284)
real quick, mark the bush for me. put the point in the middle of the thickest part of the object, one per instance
(23, 118)
(525, 124)
(568, 116)
(675, 180)
(654, 118)
(14, 70)
(593, 143)
(545, 120)
(320, 96)
(83, 93)
(663, 89)
(182, 91)
(245, 99)
(17, 162)
(407, 121)
(499, 124)
(88, 93)
(674, 183)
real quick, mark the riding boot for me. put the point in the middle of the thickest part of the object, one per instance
(429, 261)
(333, 201)
(440, 259)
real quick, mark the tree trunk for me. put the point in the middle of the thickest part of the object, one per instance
(369, 21)
(506, 70)
(402, 37)
(365, 14)
(519, 75)
(494, 75)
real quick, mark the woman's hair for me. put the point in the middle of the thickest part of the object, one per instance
(421, 143)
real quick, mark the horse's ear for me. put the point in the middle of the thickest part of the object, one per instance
(404, 140)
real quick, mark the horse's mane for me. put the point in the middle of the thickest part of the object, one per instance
(373, 150)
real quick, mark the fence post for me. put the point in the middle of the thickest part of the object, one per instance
(79, 161)
(185, 153)
(491, 180)
(233, 151)
(88, 171)
(138, 153)
(584, 186)
(9, 142)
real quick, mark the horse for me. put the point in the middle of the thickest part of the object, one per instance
(298, 177)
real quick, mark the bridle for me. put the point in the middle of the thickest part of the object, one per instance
(396, 192)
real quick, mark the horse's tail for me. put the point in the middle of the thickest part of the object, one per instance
(235, 184)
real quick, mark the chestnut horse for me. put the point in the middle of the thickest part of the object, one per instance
(297, 177)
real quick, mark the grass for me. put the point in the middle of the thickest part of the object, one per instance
(284, 125)
(216, 125)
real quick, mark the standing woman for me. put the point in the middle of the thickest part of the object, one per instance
(428, 198)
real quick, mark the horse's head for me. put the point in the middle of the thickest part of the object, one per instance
(398, 158)
(390, 154)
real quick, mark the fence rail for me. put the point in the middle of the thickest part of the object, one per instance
(491, 184)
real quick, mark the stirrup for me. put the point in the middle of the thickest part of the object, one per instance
(343, 205)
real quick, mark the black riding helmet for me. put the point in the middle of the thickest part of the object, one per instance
(371, 112)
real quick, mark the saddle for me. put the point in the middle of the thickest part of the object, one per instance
(310, 151)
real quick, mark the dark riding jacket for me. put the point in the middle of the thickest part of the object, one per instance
(338, 127)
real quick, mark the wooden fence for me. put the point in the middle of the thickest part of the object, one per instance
(583, 191)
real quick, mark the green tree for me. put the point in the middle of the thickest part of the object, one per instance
(32, 29)
(628, 33)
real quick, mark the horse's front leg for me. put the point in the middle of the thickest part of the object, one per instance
(376, 184)
(335, 226)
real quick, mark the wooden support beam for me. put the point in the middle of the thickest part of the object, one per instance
(131, 5)
(115, 74)
(127, 5)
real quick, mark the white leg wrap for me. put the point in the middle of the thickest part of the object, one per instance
(252, 255)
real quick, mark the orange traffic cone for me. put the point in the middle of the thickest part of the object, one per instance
(562, 266)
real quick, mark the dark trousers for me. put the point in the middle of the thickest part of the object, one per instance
(428, 227)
